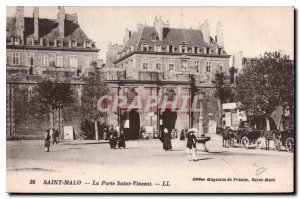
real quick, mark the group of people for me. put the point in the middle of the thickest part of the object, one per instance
(116, 139)
(191, 147)
(52, 136)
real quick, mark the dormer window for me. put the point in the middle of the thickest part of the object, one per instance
(183, 49)
(219, 51)
(145, 47)
(30, 41)
(88, 44)
(59, 43)
(207, 50)
(195, 49)
(73, 44)
(157, 48)
(170, 48)
(154, 37)
(44, 42)
(16, 41)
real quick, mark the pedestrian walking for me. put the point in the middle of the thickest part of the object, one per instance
(182, 137)
(191, 145)
(167, 140)
(121, 142)
(47, 141)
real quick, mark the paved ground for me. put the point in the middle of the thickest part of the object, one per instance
(146, 160)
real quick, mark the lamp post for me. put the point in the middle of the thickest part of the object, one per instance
(201, 130)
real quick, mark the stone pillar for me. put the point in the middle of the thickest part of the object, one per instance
(201, 119)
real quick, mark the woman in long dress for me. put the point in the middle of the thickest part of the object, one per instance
(191, 145)
(167, 140)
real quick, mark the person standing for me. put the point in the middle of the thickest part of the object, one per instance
(167, 140)
(121, 142)
(182, 137)
(47, 141)
(52, 136)
(191, 145)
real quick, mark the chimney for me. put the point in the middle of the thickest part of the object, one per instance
(159, 26)
(220, 34)
(61, 21)
(204, 27)
(36, 23)
(20, 22)
(139, 26)
(127, 36)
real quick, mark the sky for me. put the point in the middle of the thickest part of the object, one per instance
(252, 30)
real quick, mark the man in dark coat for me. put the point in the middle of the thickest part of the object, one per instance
(121, 142)
(191, 145)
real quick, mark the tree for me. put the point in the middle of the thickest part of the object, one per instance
(92, 91)
(266, 83)
(55, 95)
(223, 91)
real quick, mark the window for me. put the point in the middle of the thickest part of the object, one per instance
(30, 41)
(154, 37)
(219, 51)
(207, 50)
(208, 66)
(44, 42)
(184, 64)
(16, 41)
(145, 47)
(88, 44)
(145, 64)
(197, 66)
(157, 48)
(88, 60)
(183, 49)
(16, 58)
(73, 44)
(30, 60)
(171, 64)
(170, 48)
(59, 43)
(73, 61)
(158, 64)
(195, 49)
(45, 60)
(221, 66)
(58, 60)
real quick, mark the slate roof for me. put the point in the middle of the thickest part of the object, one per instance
(48, 28)
(174, 36)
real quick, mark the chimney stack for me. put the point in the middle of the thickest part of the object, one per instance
(159, 26)
(36, 23)
(220, 34)
(127, 36)
(61, 21)
(204, 27)
(20, 24)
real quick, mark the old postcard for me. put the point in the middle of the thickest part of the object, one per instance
(149, 99)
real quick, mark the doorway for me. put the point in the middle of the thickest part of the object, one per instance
(168, 118)
(133, 119)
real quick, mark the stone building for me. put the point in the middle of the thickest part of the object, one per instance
(38, 45)
(39, 48)
(160, 60)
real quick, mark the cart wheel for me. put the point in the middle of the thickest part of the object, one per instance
(245, 142)
(289, 143)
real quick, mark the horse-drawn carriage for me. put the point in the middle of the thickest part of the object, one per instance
(258, 137)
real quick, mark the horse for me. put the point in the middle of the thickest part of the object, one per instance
(270, 135)
(226, 135)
